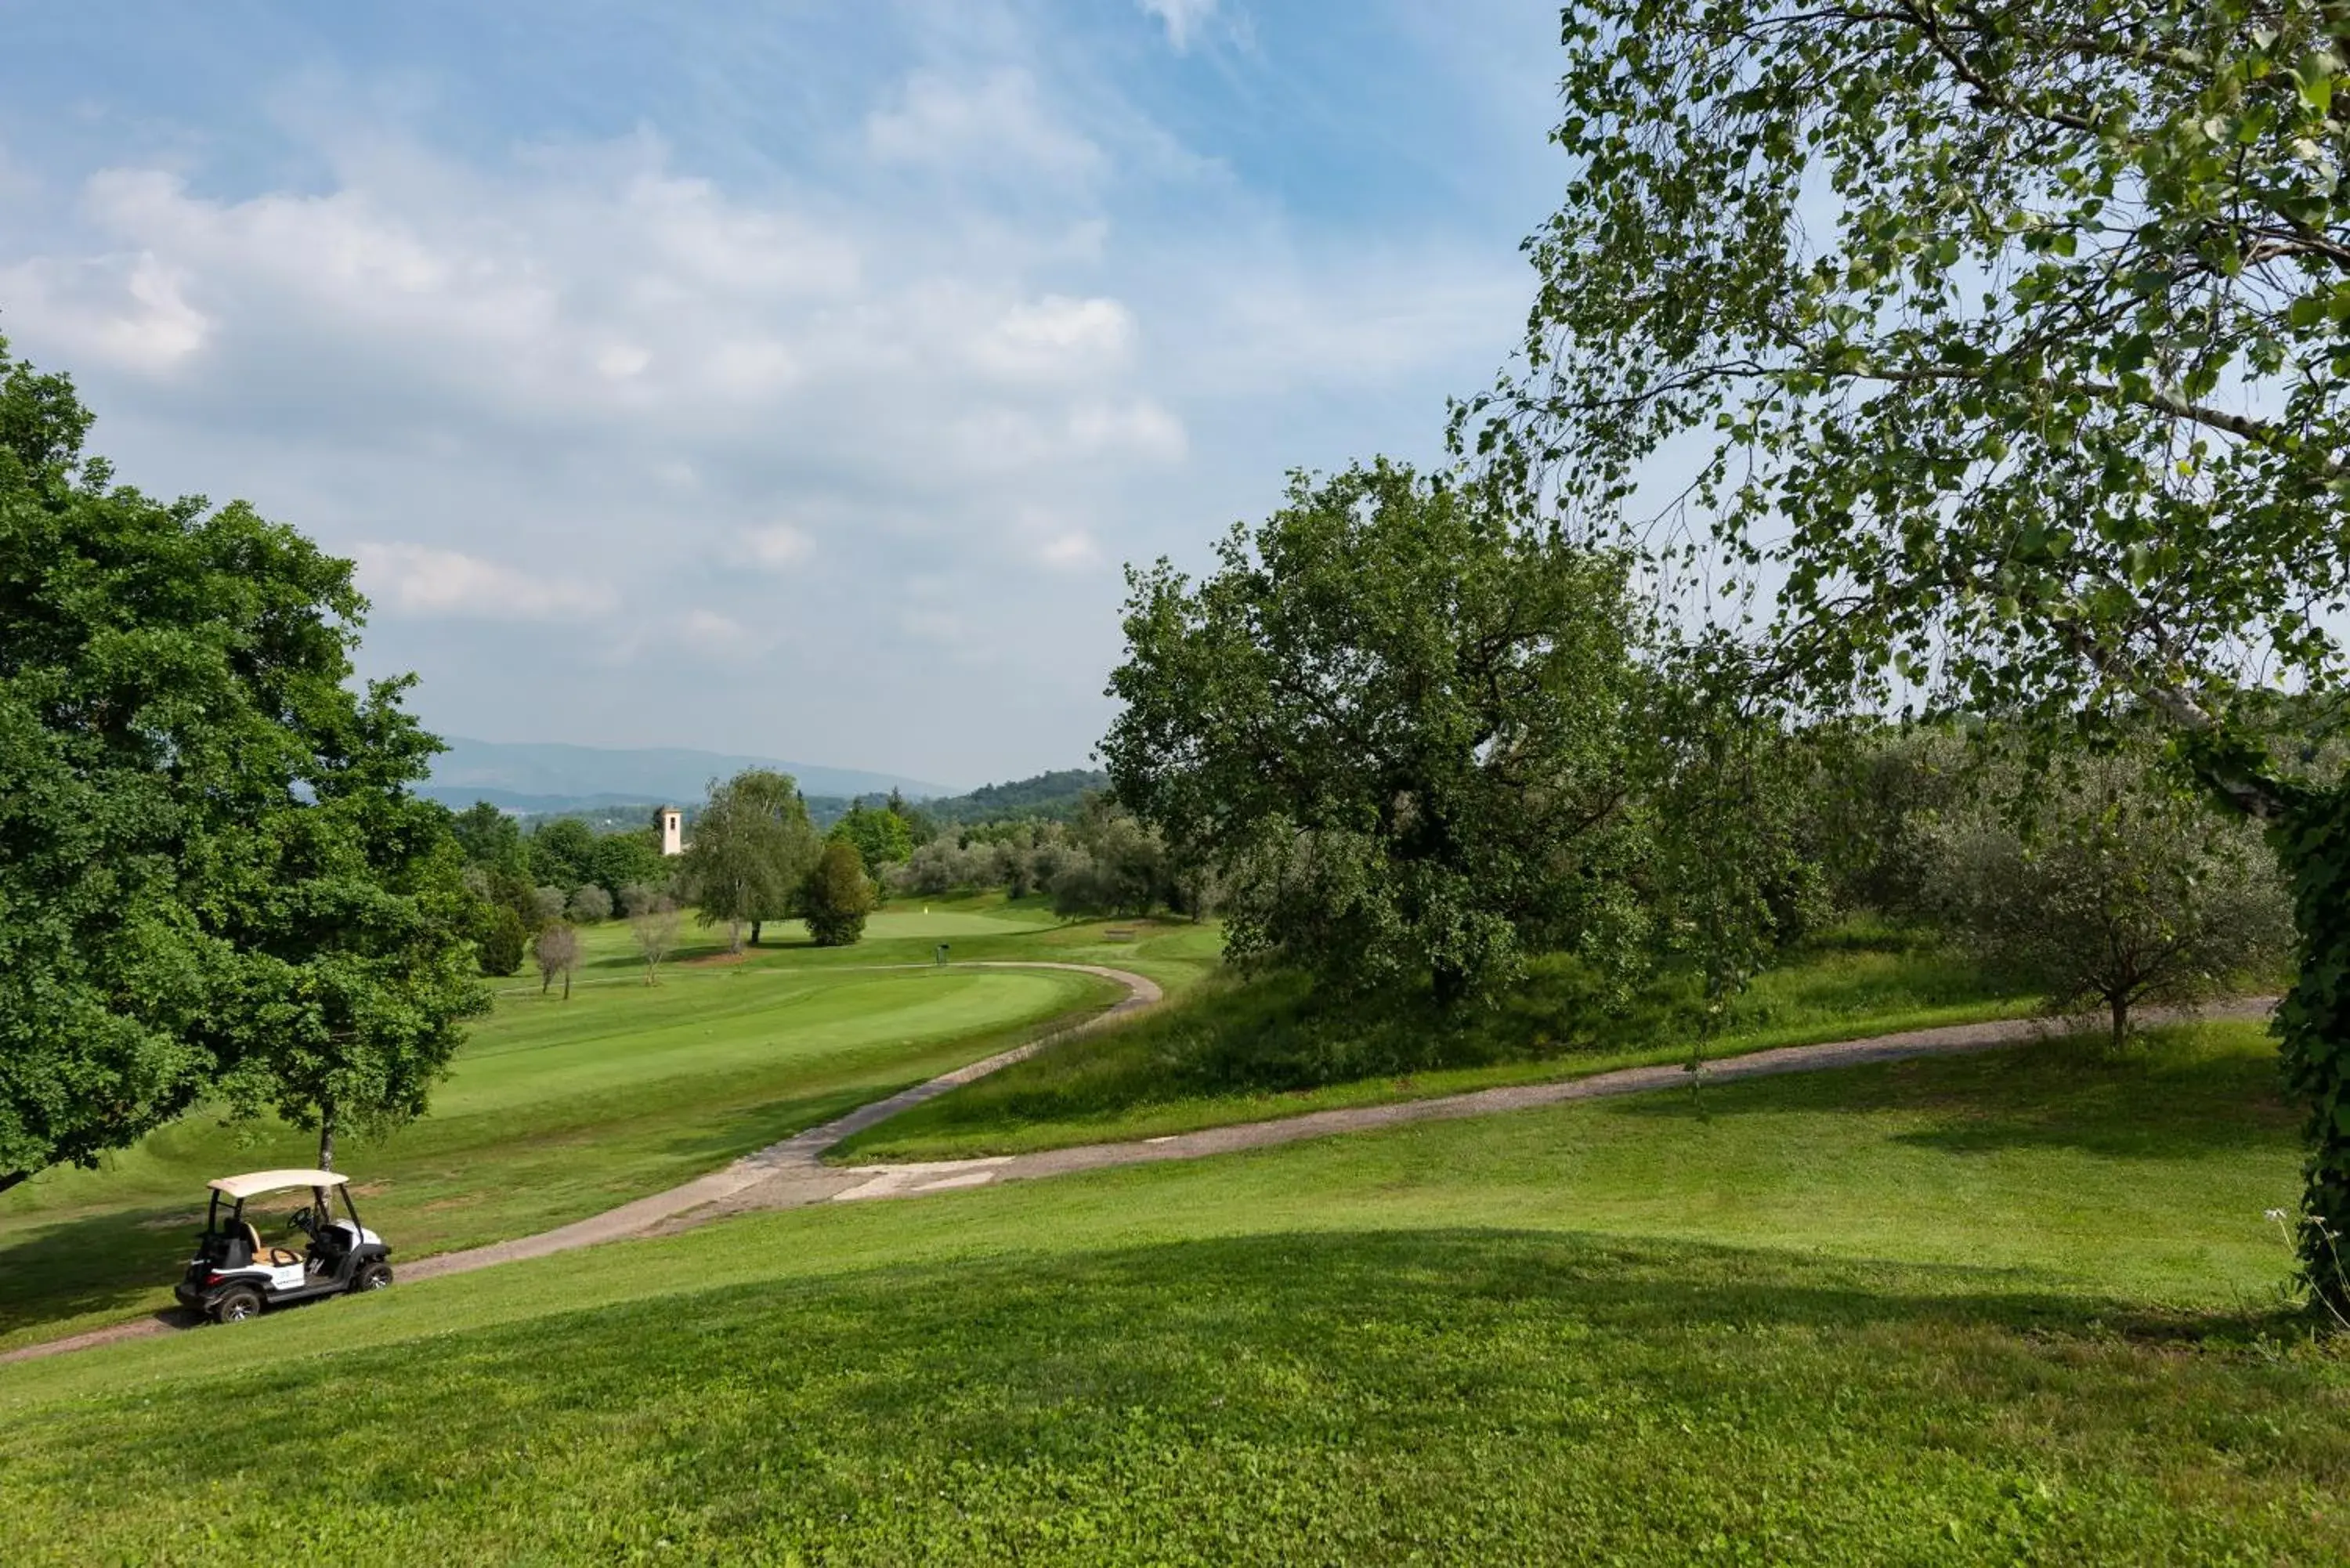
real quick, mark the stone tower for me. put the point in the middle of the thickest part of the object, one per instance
(672, 830)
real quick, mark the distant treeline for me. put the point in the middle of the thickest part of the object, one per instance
(1048, 797)
(1056, 796)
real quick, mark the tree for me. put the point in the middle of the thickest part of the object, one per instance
(919, 828)
(563, 852)
(500, 936)
(945, 865)
(879, 835)
(213, 873)
(622, 860)
(546, 906)
(2117, 891)
(488, 837)
(556, 951)
(654, 922)
(589, 905)
(1395, 718)
(836, 897)
(1118, 864)
(2019, 327)
(753, 847)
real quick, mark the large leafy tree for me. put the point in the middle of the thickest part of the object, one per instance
(1395, 717)
(214, 875)
(2019, 334)
(753, 847)
(563, 853)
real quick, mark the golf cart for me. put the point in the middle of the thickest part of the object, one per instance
(233, 1275)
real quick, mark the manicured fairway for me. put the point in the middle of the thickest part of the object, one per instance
(2008, 1308)
(555, 1110)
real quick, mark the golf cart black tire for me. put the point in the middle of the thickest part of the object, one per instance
(235, 1305)
(371, 1277)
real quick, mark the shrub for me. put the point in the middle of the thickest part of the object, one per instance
(836, 897)
(501, 941)
(590, 904)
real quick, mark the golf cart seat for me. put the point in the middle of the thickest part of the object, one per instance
(269, 1257)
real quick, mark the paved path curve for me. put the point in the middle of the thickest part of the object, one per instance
(791, 1174)
(802, 1179)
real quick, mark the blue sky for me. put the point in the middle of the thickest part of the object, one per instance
(782, 379)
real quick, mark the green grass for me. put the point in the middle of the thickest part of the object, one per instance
(1251, 1051)
(557, 1110)
(2007, 1308)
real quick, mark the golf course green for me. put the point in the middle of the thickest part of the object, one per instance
(557, 1109)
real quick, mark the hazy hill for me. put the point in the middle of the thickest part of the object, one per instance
(1052, 795)
(544, 777)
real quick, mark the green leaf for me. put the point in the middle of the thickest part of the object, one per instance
(2315, 75)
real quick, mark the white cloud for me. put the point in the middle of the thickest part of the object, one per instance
(997, 121)
(126, 309)
(1058, 336)
(1139, 428)
(777, 546)
(1182, 18)
(712, 632)
(423, 581)
(1069, 551)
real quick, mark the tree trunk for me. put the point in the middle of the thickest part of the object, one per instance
(2120, 1006)
(2313, 1024)
(545, 979)
(567, 985)
(326, 1141)
(754, 932)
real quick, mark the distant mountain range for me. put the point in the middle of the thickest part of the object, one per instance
(541, 777)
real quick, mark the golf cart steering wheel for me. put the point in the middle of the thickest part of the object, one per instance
(300, 1220)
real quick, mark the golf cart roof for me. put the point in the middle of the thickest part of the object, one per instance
(254, 1181)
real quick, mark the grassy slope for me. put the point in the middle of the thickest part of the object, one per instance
(1116, 1084)
(1995, 1309)
(557, 1110)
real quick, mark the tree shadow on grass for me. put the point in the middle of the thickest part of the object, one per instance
(110, 1263)
(2051, 1093)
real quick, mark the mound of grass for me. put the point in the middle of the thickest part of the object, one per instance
(1994, 1309)
(1243, 1050)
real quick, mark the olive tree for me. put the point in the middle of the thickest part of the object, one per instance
(2012, 337)
(2115, 889)
(547, 906)
(1394, 718)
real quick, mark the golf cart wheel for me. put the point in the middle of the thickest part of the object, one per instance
(372, 1277)
(235, 1306)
